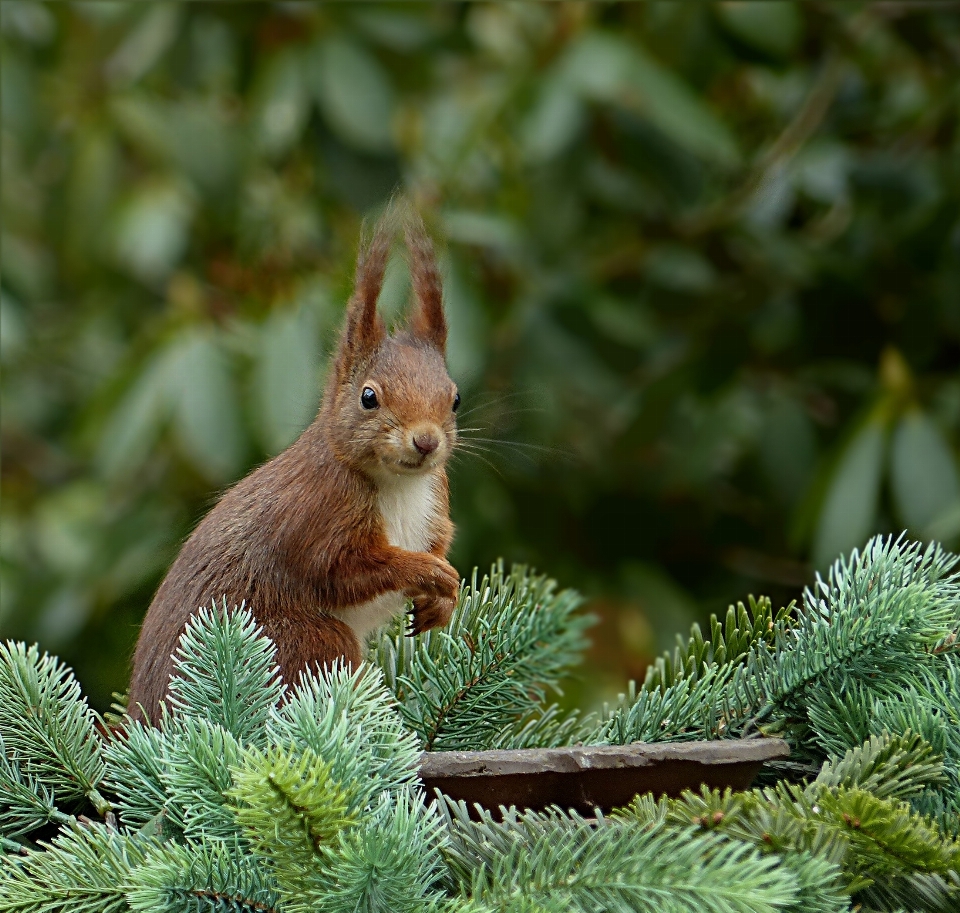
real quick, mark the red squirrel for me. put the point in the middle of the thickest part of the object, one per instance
(328, 540)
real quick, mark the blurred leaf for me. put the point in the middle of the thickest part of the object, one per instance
(395, 291)
(18, 106)
(711, 435)
(680, 268)
(447, 120)
(274, 220)
(282, 102)
(777, 325)
(13, 329)
(146, 43)
(287, 377)
(604, 67)
(62, 614)
(132, 430)
(924, 475)
(215, 53)
(665, 603)
(353, 92)
(206, 407)
(945, 527)
(64, 523)
(93, 181)
(553, 121)
(849, 511)
(143, 121)
(772, 200)
(788, 449)
(207, 146)
(468, 341)
(498, 29)
(628, 322)
(773, 28)
(822, 170)
(26, 266)
(151, 232)
(28, 20)
(400, 31)
(484, 229)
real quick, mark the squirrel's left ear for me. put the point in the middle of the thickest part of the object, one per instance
(427, 321)
(364, 329)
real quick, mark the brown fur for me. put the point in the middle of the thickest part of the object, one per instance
(302, 538)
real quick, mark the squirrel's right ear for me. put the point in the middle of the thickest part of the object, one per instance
(365, 330)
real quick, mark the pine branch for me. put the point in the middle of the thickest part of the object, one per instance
(225, 669)
(388, 863)
(565, 862)
(468, 686)
(312, 805)
(926, 703)
(819, 889)
(291, 809)
(320, 851)
(890, 767)
(25, 802)
(198, 757)
(688, 693)
(926, 893)
(690, 708)
(880, 613)
(83, 870)
(731, 640)
(873, 839)
(46, 723)
(351, 721)
(770, 820)
(214, 876)
(135, 759)
(550, 727)
(887, 838)
(942, 807)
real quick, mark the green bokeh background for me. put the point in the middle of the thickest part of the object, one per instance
(702, 273)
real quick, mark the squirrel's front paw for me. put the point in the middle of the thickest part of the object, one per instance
(439, 579)
(430, 612)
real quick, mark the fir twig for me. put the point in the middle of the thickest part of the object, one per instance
(46, 723)
(512, 638)
(565, 862)
(882, 612)
(198, 878)
(224, 667)
(83, 870)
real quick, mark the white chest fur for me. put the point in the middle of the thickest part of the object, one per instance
(408, 507)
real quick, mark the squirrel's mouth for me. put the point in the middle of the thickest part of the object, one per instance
(412, 465)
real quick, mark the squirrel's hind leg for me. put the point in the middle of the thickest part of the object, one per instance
(308, 638)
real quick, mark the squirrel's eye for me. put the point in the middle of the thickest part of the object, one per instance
(456, 402)
(368, 399)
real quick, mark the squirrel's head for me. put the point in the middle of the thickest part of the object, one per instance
(390, 402)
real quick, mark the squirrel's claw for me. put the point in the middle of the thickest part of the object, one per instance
(430, 612)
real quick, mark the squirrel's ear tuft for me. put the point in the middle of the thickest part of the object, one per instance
(365, 330)
(427, 321)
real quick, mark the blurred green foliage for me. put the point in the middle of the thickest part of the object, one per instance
(702, 265)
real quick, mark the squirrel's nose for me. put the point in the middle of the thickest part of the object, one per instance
(425, 442)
